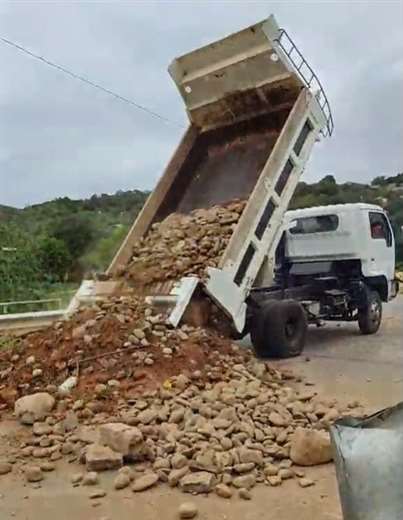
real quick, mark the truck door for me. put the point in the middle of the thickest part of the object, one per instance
(381, 250)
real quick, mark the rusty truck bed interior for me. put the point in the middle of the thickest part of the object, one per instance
(225, 163)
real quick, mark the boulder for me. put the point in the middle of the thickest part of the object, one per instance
(90, 479)
(223, 491)
(101, 458)
(147, 416)
(306, 482)
(246, 455)
(276, 419)
(121, 481)
(33, 473)
(178, 461)
(176, 475)
(245, 494)
(5, 468)
(34, 407)
(187, 510)
(244, 481)
(310, 447)
(127, 440)
(146, 481)
(199, 482)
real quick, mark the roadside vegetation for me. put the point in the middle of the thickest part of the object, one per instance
(46, 249)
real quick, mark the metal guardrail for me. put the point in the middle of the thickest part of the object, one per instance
(60, 300)
(308, 76)
(6, 305)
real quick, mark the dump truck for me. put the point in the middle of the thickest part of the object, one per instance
(256, 108)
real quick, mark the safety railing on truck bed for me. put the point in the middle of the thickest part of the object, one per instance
(308, 76)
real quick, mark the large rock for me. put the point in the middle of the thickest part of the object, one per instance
(246, 455)
(127, 440)
(176, 475)
(223, 491)
(5, 468)
(244, 481)
(41, 428)
(90, 479)
(147, 416)
(310, 447)
(88, 434)
(121, 481)
(101, 458)
(33, 473)
(276, 419)
(199, 482)
(187, 510)
(34, 407)
(146, 481)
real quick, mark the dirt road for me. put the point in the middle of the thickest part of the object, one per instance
(342, 364)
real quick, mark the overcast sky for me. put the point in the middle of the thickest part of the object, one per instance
(59, 137)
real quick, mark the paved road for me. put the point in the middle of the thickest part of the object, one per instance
(343, 365)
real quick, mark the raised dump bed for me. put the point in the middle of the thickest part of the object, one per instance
(254, 118)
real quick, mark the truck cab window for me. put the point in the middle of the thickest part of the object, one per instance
(380, 228)
(319, 224)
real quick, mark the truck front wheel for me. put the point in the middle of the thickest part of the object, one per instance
(279, 329)
(370, 316)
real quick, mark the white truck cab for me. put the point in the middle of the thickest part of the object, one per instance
(341, 232)
(334, 263)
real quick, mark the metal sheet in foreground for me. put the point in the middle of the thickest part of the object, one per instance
(369, 465)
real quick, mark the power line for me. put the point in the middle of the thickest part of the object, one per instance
(89, 82)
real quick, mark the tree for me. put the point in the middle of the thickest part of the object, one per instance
(328, 185)
(20, 273)
(328, 179)
(76, 231)
(54, 258)
(379, 181)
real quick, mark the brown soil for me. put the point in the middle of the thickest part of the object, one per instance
(95, 344)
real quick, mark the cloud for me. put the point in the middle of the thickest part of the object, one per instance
(59, 137)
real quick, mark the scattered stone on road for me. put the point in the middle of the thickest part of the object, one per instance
(244, 481)
(33, 473)
(188, 510)
(306, 482)
(127, 440)
(199, 482)
(90, 479)
(146, 481)
(5, 468)
(121, 481)
(245, 494)
(310, 447)
(223, 491)
(34, 407)
(47, 466)
(76, 478)
(101, 458)
(98, 493)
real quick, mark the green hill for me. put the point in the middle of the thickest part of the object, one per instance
(46, 245)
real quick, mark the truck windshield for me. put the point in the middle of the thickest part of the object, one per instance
(318, 224)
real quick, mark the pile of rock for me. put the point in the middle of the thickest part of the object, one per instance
(183, 245)
(116, 349)
(224, 437)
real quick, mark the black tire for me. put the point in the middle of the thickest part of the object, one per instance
(280, 329)
(257, 328)
(370, 316)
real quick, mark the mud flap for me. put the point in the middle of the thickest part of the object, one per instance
(369, 464)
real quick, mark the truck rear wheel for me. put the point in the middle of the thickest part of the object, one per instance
(279, 329)
(370, 317)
